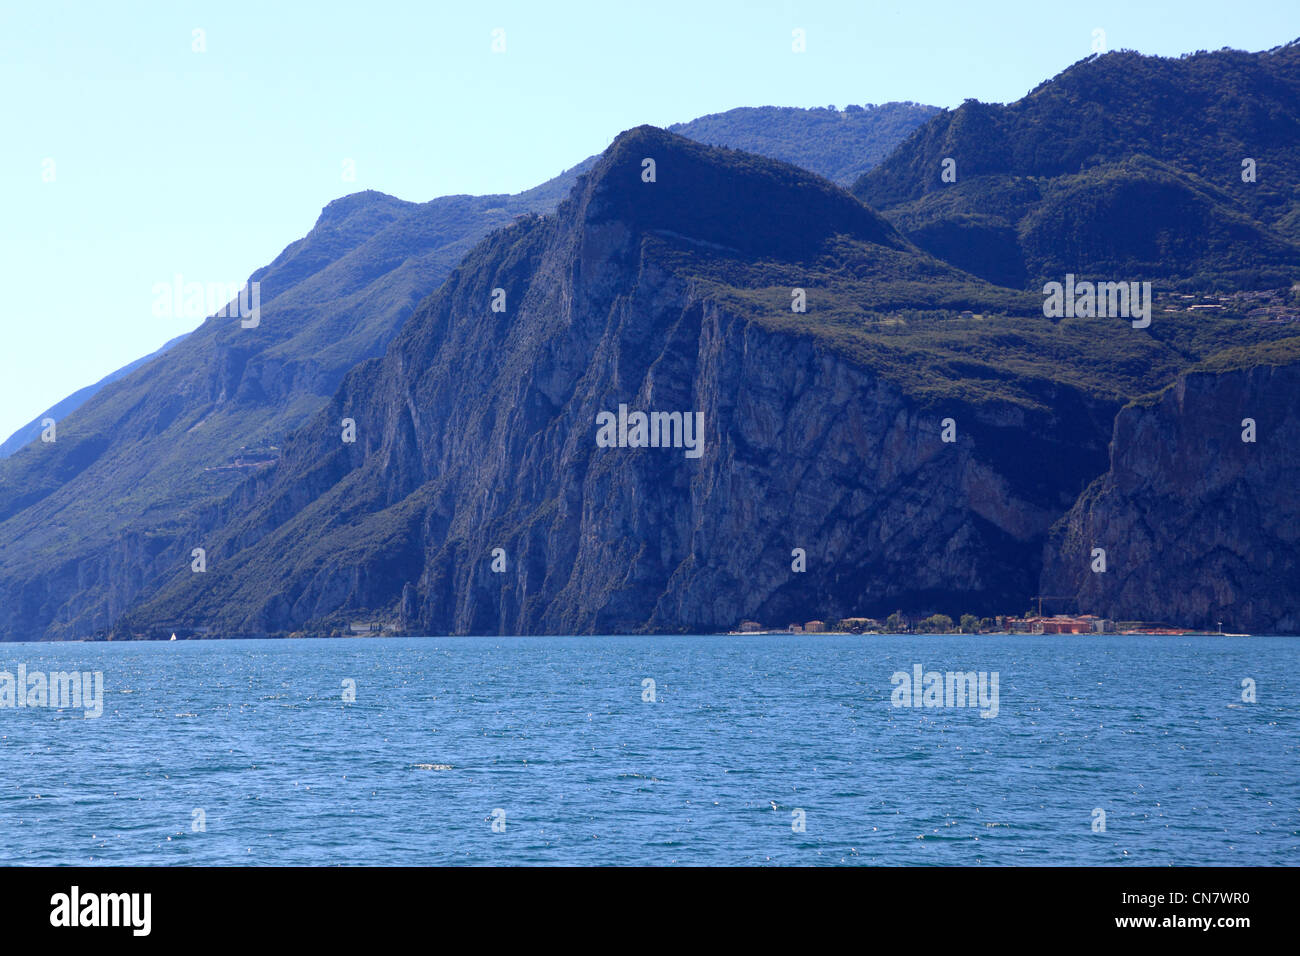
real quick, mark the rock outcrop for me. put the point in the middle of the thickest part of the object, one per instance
(1198, 526)
(477, 431)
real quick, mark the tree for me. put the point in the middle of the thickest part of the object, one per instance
(970, 624)
(937, 624)
(894, 623)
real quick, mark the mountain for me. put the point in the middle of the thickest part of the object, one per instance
(80, 518)
(1198, 524)
(84, 519)
(478, 434)
(62, 409)
(840, 145)
(823, 430)
(1122, 166)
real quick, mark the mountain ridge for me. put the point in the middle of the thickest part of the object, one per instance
(475, 431)
(1205, 115)
(173, 446)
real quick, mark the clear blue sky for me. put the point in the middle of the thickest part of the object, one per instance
(207, 164)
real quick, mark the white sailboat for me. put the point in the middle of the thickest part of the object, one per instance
(173, 637)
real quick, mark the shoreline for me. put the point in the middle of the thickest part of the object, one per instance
(1169, 632)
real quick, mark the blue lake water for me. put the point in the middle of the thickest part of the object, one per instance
(743, 732)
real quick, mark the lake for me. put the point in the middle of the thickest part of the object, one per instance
(682, 750)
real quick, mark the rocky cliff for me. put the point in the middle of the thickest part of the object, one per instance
(477, 431)
(878, 430)
(89, 523)
(1198, 525)
(84, 519)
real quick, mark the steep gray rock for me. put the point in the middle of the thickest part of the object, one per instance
(477, 431)
(1198, 526)
(91, 523)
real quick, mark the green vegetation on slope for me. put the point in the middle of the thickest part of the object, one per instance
(1123, 163)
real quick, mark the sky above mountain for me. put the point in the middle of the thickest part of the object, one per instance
(196, 139)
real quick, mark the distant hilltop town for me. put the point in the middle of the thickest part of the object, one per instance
(900, 623)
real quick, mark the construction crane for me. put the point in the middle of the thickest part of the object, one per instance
(1053, 597)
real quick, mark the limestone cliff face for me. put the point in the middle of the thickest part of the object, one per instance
(94, 524)
(90, 523)
(476, 498)
(477, 431)
(1198, 526)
